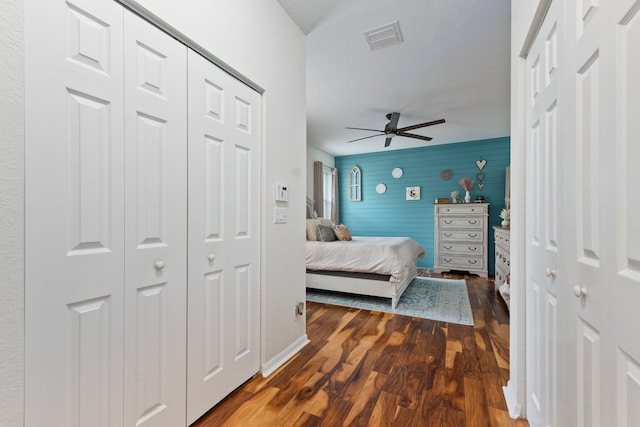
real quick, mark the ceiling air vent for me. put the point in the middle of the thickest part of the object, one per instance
(384, 36)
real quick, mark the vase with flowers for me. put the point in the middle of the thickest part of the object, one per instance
(466, 184)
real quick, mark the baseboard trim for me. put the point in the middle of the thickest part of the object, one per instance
(281, 358)
(515, 408)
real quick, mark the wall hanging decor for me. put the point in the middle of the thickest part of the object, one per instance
(480, 176)
(446, 174)
(413, 193)
(481, 164)
(355, 184)
(381, 188)
(480, 186)
(397, 173)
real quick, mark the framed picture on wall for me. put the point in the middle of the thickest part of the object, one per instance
(413, 193)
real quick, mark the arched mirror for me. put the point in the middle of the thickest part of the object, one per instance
(355, 184)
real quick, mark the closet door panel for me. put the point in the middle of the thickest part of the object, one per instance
(155, 226)
(224, 235)
(74, 213)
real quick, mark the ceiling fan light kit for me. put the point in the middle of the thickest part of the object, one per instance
(391, 129)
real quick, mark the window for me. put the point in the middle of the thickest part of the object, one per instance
(355, 184)
(327, 193)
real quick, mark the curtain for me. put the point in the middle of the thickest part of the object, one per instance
(317, 187)
(335, 212)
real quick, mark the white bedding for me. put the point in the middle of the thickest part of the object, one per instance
(395, 256)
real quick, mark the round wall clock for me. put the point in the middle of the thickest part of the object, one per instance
(396, 173)
(381, 188)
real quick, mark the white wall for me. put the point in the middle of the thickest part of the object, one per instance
(316, 154)
(522, 13)
(11, 213)
(255, 37)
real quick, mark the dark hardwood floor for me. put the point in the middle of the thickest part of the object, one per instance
(366, 368)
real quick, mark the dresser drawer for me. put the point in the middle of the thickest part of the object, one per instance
(462, 208)
(460, 262)
(502, 261)
(501, 237)
(461, 235)
(461, 248)
(462, 222)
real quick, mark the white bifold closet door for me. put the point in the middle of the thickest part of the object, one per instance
(155, 279)
(74, 242)
(224, 235)
(105, 218)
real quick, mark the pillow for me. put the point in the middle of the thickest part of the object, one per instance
(342, 232)
(312, 227)
(325, 233)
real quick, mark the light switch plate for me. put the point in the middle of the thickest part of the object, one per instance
(280, 215)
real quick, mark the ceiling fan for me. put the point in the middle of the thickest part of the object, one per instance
(391, 129)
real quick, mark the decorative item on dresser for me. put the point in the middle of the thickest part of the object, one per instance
(461, 237)
(503, 263)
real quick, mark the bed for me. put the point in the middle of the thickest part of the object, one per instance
(376, 266)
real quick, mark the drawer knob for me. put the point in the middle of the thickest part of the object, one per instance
(473, 221)
(211, 257)
(472, 261)
(473, 235)
(550, 273)
(158, 265)
(473, 249)
(448, 247)
(447, 234)
(447, 259)
(579, 291)
(446, 221)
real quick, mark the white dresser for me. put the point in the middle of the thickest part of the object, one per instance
(502, 238)
(461, 237)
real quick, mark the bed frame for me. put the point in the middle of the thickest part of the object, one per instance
(362, 284)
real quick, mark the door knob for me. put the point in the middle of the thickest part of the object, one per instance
(211, 257)
(550, 273)
(158, 265)
(580, 291)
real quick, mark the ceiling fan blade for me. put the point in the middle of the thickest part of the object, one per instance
(373, 130)
(366, 137)
(392, 126)
(387, 142)
(421, 125)
(413, 135)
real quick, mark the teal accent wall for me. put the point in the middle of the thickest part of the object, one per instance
(390, 214)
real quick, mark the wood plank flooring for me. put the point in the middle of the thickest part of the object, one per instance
(366, 368)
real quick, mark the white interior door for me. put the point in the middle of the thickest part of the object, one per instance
(588, 89)
(155, 87)
(598, 273)
(74, 213)
(543, 201)
(224, 235)
(622, 282)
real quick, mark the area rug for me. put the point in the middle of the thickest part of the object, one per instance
(432, 298)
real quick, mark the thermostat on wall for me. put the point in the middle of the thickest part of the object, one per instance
(282, 193)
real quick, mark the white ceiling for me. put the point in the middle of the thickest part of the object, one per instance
(453, 64)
